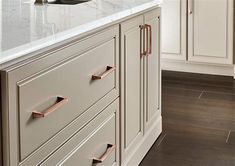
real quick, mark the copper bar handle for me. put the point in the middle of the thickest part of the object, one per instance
(109, 69)
(109, 150)
(147, 39)
(60, 102)
(149, 28)
(142, 27)
(190, 6)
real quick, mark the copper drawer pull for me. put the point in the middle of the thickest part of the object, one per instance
(109, 70)
(110, 149)
(60, 102)
(149, 39)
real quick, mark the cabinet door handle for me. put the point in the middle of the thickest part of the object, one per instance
(109, 69)
(190, 6)
(149, 39)
(142, 29)
(109, 150)
(60, 102)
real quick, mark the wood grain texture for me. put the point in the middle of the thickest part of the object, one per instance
(198, 122)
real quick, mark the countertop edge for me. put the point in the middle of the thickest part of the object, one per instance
(70, 35)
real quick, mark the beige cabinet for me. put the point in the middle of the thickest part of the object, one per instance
(85, 103)
(140, 93)
(174, 29)
(197, 32)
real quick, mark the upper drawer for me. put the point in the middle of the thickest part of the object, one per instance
(47, 94)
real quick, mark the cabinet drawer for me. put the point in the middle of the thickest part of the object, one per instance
(53, 98)
(96, 143)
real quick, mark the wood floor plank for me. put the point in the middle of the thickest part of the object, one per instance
(205, 113)
(218, 96)
(181, 92)
(196, 86)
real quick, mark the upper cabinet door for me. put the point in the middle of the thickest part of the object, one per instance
(210, 31)
(173, 30)
(132, 81)
(152, 70)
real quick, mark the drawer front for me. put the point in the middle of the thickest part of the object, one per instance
(97, 143)
(52, 99)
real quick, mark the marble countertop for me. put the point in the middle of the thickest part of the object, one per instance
(26, 27)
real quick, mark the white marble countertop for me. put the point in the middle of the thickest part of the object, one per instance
(26, 27)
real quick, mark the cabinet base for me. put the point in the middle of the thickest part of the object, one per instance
(150, 137)
(194, 67)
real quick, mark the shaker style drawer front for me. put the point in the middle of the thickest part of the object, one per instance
(97, 143)
(52, 99)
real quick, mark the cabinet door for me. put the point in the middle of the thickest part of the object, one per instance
(132, 81)
(152, 70)
(173, 29)
(210, 33)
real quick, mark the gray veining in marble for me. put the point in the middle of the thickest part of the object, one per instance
(25, 27)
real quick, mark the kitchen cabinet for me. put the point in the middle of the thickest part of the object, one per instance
(94, 100)
(197, 36)
(140, 93)
(49, 100)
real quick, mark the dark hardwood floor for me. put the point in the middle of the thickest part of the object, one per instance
(198, 122)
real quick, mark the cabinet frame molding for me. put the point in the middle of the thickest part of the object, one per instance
(228, 59)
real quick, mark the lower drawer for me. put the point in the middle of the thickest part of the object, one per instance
(97, 143)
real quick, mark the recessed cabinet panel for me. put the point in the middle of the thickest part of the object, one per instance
(210, 31)
(132, 85)
(173, 29)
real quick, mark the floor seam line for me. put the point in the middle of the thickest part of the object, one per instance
(228, 136)
(200, 95)
(161, 140)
